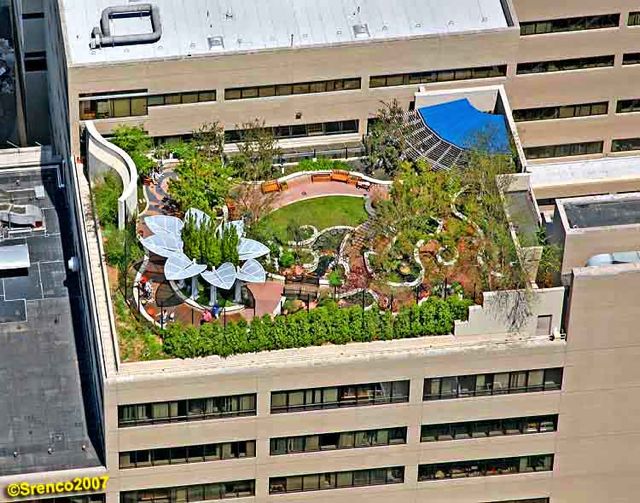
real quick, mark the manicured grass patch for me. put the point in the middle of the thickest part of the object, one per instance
(323, 325)
(321, 212)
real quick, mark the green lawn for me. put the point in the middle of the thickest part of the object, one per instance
(322, 212)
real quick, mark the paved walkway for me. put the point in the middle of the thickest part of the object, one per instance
(304, 188)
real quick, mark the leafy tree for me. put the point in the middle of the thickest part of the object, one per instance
(136, 142)
(208, 140)
(201, 183)
(386, 141)
(208, 245)
(256, 150)
(106, 192)
(287, 259)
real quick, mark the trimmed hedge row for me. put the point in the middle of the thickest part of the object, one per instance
(327, 324)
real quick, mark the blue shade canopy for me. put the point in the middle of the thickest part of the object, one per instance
(162, 244)
(164, 224)
(178, 266)
(222, 277)
(461, 124)
(252, 272)
(250, 248)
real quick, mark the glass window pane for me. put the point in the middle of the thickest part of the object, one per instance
(189, 97)
(267, 91)
(250, 92)
(361, 478)
(518, 382)
(552, 379)
(310, 482)
(345, 479)
(122, 107)
(232, 94)
(346, 440)
(212, 452)
(328, 481)
(161, 456)
(153, 101)
(300, 88)
(330, 396)
(160, 410)
(500, 383)
(195, 493)
(278, 400)
(294, 484)
(448, 387)
(172, 99)
(317, 87)
(207, 96)
(284, 90)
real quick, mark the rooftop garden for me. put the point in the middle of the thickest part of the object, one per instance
(356, 259)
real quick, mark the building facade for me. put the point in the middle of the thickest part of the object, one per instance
(489, 414)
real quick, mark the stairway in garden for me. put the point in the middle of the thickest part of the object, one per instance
(360, 239)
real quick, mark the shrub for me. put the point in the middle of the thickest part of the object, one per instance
(121, 247)
(136, 142)
(325, 324)
(106, 192)
(287, 259)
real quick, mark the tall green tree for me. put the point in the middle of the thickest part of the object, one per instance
(386, 142)
(256, 151)
(136, 142)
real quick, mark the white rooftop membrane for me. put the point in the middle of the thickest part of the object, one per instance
(163, 244)
(222, 277)
(250, 248)
(252, 272)
(202, 27)
(178, 266)
(164, 224)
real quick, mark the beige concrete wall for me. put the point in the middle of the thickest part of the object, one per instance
(598, 443)
(349, 369)
(302, 65)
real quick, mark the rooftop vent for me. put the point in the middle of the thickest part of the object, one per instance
(101, 36)
(361, 30)
(216, 42)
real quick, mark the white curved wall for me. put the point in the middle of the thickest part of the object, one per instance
(103, 155)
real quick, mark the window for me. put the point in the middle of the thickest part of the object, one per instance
(631, 58)
(565, 65)
(429, 77)
(628, 106)
(634, 18)
(336, 480)
(442, 388)
(76, 498)
(186, 410)
(35, 61)
(301, 130)
(543, 326)
(190, 454)
(485, 467)
(570, 24)
(565, 150)
(198, 492)
(342, 440)
(109, 106)
(561, 112)
(340, 396)
(488, 428)
(625, 145)
(240, 93)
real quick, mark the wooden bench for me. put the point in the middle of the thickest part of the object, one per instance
(339, 176)
(270, 186)
(322, 177)
(353, 180)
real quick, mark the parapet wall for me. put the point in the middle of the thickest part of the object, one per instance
(514, 311)
(103, 156)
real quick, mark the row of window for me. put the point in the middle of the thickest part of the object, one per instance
(323, 86)
(485, 467)
(189, 454)
(339, 440)
(301, 130)
(340, 396)
(188, 494)
(331, 397)
(525, 381)
(428, 77)
(133, 106)
(528, 500)
(561, 112)
(488, 428)
(337, 480)
(564, 150)
(570, 24)
(187, 410)
(344, 479)
(564, 65)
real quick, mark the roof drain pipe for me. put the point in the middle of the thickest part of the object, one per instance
(101, 36)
